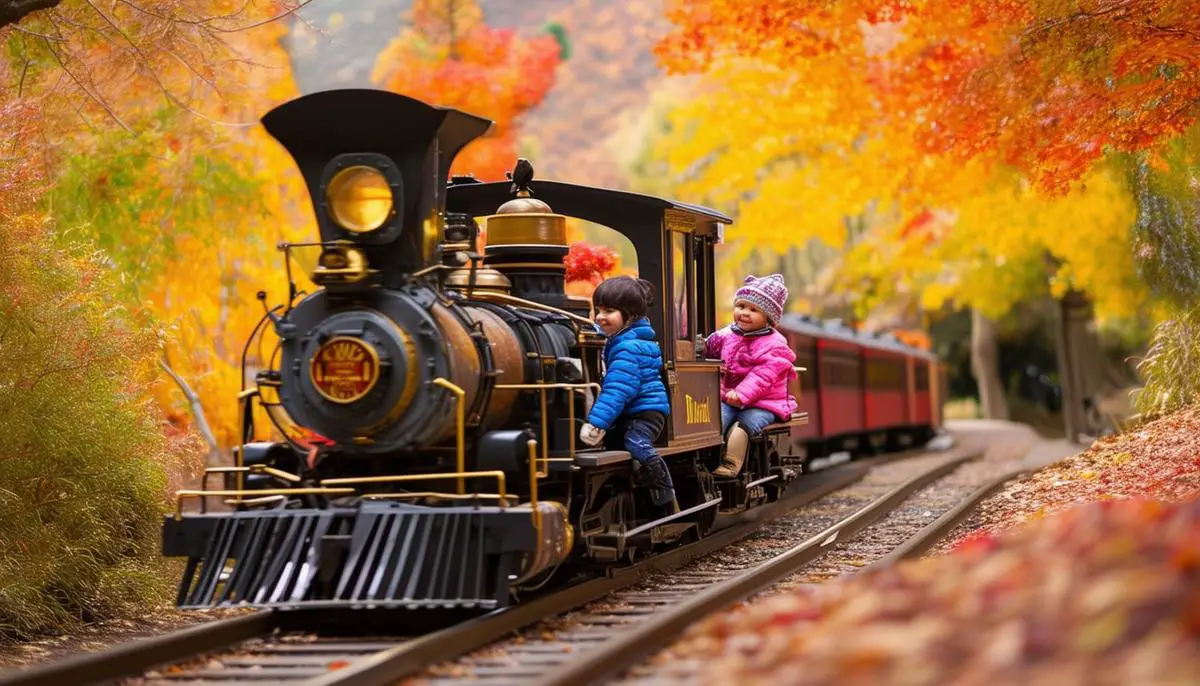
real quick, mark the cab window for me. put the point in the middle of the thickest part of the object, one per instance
(680, 289)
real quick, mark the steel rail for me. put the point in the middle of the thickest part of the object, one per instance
(939, 528)
(410, 656)
(416, 655)
(139, 656)
(614, 656)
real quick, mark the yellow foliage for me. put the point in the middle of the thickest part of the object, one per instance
(208, 295)
(801, 153)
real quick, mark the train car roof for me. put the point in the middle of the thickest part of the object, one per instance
(479, 198)
(811, 326)
(836, 330)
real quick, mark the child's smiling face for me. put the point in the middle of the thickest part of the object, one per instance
(748, 316)
(609, 320)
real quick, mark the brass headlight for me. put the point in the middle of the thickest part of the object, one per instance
(359, 198)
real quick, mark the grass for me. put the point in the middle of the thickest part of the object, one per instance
(1171, 368)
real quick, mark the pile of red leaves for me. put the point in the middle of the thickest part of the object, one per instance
(1159, 460)
(1106, 593)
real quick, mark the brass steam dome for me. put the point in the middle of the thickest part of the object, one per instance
(524, 220)
(486, 280)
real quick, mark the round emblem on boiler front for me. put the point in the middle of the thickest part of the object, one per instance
(344, 369)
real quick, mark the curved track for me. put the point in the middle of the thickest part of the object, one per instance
(269, 648)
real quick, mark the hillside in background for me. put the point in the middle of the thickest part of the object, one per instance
(604, 85)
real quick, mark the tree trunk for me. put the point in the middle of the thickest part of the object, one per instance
(1084, 372)
(12, 11)
(985, 367)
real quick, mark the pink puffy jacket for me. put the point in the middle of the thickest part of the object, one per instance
(757, 367)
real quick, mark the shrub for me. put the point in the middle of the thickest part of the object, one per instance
(83, 457)
(1171, 369)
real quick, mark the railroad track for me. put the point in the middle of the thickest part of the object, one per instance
(642, 609)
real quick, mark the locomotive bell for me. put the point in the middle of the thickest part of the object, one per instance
(486, 280)
(467, 275)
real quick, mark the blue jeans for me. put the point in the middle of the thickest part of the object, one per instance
(636, 434)
(752, 419)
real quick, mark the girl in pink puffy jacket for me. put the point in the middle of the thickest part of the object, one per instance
(758, 365)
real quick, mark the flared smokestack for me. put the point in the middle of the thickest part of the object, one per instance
(410, 142)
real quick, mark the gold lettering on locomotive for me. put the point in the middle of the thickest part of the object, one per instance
(344, 369)
(697, 411)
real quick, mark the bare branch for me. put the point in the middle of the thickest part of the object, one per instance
(95, 97)
(194, 402)
(207, 23)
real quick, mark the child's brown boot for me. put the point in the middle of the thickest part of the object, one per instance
(736, 446)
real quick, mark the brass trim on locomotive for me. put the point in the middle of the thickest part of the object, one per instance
(345, 346)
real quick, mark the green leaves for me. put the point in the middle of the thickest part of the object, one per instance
(140, 198)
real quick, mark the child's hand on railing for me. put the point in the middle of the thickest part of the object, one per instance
(591, 435)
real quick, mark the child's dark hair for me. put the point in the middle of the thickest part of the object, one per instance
(633, 297)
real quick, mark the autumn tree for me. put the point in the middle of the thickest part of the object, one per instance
(589, 263)
(885, 110)
(119, 174)
(448, 55)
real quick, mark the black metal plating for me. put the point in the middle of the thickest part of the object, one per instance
(378, 554)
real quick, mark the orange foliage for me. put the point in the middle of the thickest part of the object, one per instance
(148, 138)
(450, 57)
(1049, 86)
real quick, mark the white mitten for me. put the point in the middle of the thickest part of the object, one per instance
(591, 435)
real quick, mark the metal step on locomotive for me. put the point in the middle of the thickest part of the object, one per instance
(431, 395)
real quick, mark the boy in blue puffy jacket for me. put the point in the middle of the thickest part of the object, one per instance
(633, 399)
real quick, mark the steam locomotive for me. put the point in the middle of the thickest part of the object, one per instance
(431, 393)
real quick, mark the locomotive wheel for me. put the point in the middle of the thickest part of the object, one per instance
(620, 510)
(708, 490)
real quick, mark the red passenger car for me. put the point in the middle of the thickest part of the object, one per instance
(862, 393)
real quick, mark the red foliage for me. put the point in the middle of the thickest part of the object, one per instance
(587, 262)
(1049, 88)
(450, 57)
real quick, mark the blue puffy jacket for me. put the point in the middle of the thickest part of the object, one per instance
(633, 376)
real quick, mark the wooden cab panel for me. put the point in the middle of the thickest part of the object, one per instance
(695, 391)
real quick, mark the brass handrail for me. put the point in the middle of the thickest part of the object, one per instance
(256, 468)
(533, 490)
(257, 501)
(513, 300)
(240, 494)
(399, 478)
(246, 396)
(542, 388)
(502, 497)
(459, 428)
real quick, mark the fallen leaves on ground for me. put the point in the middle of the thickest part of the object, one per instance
(1106, 593)
(1160, 460)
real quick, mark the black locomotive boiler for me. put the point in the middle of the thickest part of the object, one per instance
(431, 394)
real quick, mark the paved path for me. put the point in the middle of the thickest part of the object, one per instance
(1021, 441)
